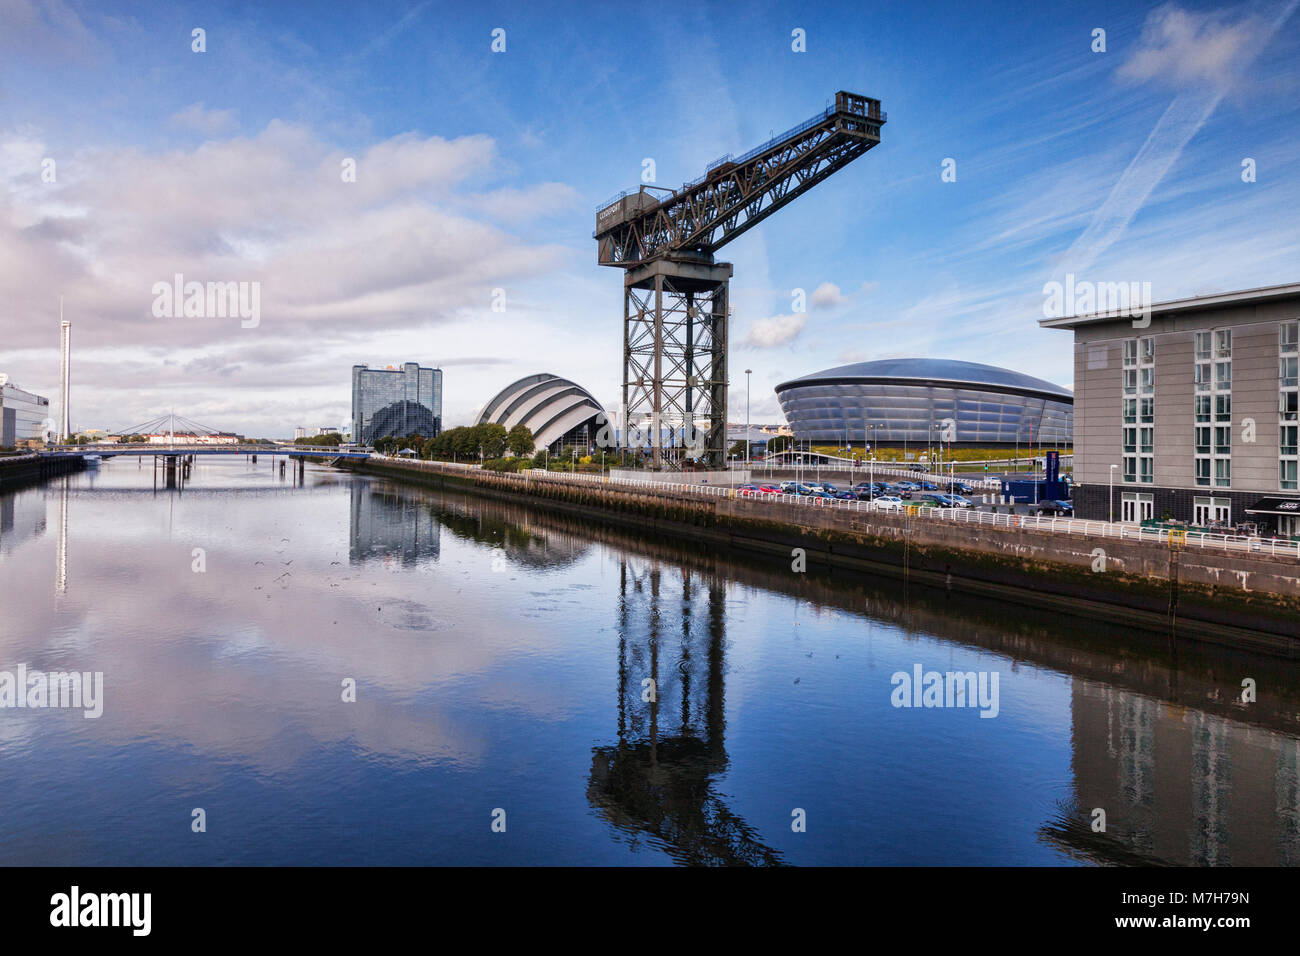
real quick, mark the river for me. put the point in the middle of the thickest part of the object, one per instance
(347, 670)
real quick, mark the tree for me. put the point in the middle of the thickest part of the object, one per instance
(778, 443)
(520, 440)
(738, 450)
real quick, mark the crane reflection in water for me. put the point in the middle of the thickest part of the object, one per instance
(658, 780)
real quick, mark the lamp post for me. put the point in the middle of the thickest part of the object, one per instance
(747, 371)
(1110, 492)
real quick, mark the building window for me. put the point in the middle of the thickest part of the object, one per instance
(1286, 474)
(1136, 507)
(1213, 386)
(1209, 511)
(1287, 381)
(1139, 382)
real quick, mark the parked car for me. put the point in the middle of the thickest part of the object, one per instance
(916, 466)
(769, 489)
(830, 489)
(935, 498)
(789, 487)
(962, 487)
(888, 503)
(747, 491)
(1063, 509)
(929, 486)
(958, 501)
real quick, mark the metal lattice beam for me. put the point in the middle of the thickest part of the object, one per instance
(737, 194)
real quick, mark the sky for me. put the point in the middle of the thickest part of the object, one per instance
(128, 157)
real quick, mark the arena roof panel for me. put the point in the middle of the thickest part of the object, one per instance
(933, 370)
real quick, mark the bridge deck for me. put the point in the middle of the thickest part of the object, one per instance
(301, 451)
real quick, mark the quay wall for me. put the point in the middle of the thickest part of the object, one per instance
(1237, 598)
(24, 469)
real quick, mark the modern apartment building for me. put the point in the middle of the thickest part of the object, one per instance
(24, 417)
(1190, 413)
(395, 401)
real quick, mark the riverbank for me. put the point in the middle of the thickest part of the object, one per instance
(1240, 599)
(24, 469)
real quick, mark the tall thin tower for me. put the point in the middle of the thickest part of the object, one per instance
(65, 390)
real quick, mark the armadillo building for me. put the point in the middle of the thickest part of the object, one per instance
(909, 400)
(556, 410)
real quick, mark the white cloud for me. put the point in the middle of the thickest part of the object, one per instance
(1182, 48)
(778, 330)
(362, 271)
(827, 295)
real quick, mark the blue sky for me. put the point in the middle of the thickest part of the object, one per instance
(479, 170)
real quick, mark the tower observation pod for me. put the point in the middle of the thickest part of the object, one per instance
(675, 311)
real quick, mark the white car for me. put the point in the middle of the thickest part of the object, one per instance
(888, 503)
(962, 502)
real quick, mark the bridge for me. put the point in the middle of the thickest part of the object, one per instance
(179, 449)
(187, 438)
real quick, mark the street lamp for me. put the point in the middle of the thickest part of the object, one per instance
(1110, 492)
(747, 371)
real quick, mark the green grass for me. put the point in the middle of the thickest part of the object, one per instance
(958, 454)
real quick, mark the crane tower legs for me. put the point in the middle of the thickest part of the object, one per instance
(675, 362)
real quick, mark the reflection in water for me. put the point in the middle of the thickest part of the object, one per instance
(22, 516)
(389, 525)
(61, 555)
(506, 662)
(658, 779)
(1179, 786)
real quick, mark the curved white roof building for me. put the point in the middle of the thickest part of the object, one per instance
(550, 406)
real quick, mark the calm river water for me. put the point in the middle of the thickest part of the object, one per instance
(534, 689)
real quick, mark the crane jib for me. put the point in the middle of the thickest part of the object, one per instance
(736, 193)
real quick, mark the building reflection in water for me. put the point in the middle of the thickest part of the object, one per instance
(1179, 785)
(658, 779)
(22, 516)
(390, 526)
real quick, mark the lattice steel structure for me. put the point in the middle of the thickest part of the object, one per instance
(675, 295)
